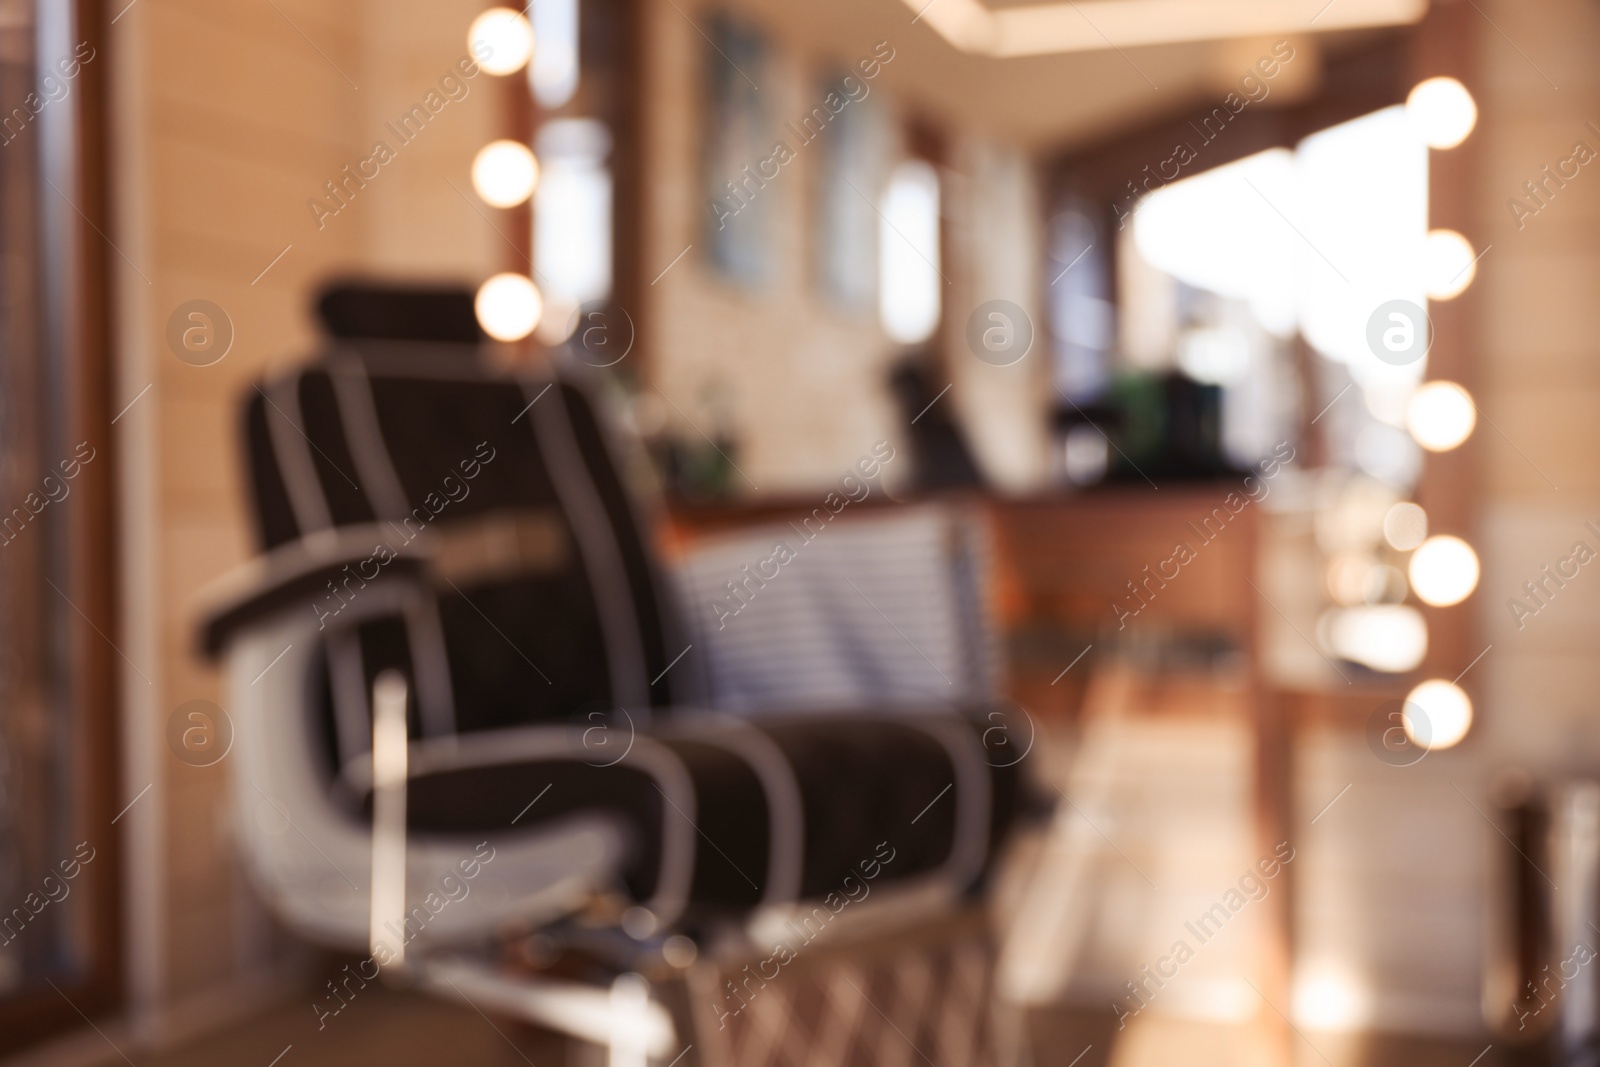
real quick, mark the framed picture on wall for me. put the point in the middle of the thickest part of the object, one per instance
(737, 140)
(852, 161)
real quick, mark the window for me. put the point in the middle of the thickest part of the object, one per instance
(581, 83)
(908, 242)
(554, 71)
(1311, 239)
(572, 221)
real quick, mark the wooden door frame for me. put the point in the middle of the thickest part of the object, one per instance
(75, 332)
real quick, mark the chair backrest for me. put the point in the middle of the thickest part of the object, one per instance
(546, 604)
(883, 610)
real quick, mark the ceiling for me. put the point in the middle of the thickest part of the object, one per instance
(1042, 102)
(1053, 27)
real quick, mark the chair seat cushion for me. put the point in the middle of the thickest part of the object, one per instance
(783, 810)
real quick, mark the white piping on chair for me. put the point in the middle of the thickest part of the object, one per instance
(643, 507)
(974, 800)
(294, 456)
(293, 558)
(488, 748)
(424, 629)
(305, 873)
(786, 837)
(430, 663)
(430, 667)
(352, 389)
(597, 547)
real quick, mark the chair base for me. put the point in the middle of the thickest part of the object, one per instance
(913, 997)
(923, 996)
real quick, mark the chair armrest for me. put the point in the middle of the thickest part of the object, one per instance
(299, 572)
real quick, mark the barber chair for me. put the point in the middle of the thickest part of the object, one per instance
(470, 743)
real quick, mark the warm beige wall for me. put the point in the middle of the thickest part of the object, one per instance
(1539, 380)
(805, 383)
(226, 120)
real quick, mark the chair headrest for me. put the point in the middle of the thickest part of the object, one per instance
(389, 311)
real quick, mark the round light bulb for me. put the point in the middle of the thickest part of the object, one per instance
(1405, 526)
(1448, 264)
(1444, 571)
(508, 307)
(1437, 714)
(1441, 416)
(501, 40)
(1441, 111)
(504, 173)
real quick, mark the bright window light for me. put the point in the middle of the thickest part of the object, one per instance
(1317, 237)
(1391, 638)
(1214, 232)
(1219, 356)
(1448, 264)
(554, 74)
(508, 307)
(1405, 526)
(1444, 571)
(1442, 112)
(1328, 997)
(1368, 182)
(1446, 714)
(572, 221)
(504, 173)
(504, 38)
(908, 265)
(1441, 416)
